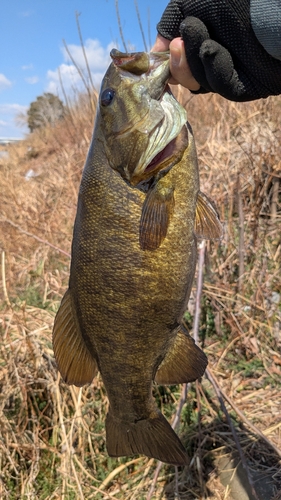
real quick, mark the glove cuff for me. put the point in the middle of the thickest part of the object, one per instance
(171, 19)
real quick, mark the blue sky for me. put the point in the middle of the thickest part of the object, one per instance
(31, 41)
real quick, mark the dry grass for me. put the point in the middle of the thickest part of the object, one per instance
(52, 436)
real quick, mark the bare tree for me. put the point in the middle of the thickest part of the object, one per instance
(47, 109)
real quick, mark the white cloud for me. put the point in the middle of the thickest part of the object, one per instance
(4, 82)
(32, 79)
(97, 56)
(26, 13)
(27, 66)
(98, 60)
(69, 76)
(2, 123)
(10, 109)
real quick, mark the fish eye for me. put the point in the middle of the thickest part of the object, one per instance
(107, 96)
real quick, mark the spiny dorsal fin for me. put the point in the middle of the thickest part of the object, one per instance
(184, 362)
(75, 363)
(207, 223)
(156, 213)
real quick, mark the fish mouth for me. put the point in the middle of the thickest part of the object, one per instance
(152, 127)
(160, 157)
(165, 145)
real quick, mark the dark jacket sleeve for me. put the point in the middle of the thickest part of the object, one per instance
(266, 23)
(232, 47)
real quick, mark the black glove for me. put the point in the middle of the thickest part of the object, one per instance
(221, 48)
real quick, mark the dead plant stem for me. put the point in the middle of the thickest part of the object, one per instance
(80, 72)
(209, 374)
(45, 242)
(174, 425)
(117, 471)
(140, 25)
(83, 50)
(274, 199)
(148, 28)
(6, 297)
(196, 338)
(249, 424)
(212, 379)
(120, 25)
(241, 249)
(201, 258)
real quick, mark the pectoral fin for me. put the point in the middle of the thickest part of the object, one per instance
(184, 362)
(156, 213)
(207, 223)
(75, 363)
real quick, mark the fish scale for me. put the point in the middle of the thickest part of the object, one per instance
(134, 256)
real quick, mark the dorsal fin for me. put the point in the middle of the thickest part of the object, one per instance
(207, 223)
(75, 363)
(184, 362)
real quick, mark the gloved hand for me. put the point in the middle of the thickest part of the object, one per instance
(221, 47)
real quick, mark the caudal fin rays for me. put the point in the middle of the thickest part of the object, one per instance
(153, 437)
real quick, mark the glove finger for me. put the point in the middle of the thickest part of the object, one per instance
(194, 33)
(220, 73)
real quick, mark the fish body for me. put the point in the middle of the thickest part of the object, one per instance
(133, 257)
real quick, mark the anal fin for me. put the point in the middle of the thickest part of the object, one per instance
(75, 362)
(184, 362)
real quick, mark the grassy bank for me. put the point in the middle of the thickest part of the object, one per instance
(52, 436)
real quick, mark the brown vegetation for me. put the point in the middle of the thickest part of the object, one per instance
(52, 436)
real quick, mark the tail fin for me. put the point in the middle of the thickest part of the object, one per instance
(153, 437)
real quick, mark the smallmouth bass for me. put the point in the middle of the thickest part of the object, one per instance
(134, 256)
